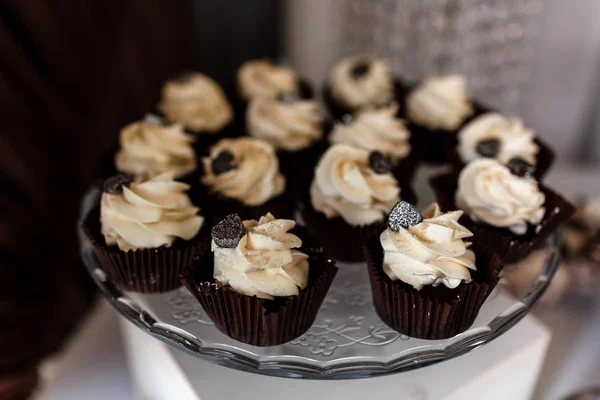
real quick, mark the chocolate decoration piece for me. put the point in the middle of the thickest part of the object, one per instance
(228, 233)
(360, 69)
(223, 162)
(488, 148)
(114, 184)
(380, 163)
(403, 215)
(520, 167)
(288, 97)
(347, 118)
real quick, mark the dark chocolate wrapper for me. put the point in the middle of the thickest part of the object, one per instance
(255, 321)
(434, 142)
(219, 206)
(343, 241)
(143, 270)
(338, 111)
(545, 158)
(433, 312)
(510, 247)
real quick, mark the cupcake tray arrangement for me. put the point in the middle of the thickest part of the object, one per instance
(347, 340)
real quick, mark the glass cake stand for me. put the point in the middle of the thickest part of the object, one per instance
(347, 340)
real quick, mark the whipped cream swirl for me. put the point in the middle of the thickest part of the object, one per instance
(515, 140)
(440, 102)
(289, 126)
(153, 149)
(197, 102)
(489, 192)
(265, 262)
(430, 253)
(345, 186)
(149, 214)
(262, 79)
(377, 129)
(255, 179)
(362, 81)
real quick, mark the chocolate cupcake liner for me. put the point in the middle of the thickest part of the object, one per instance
(261, 322)
(545, 158)
(510, 247)
(343, 241)
(434, 312)
(142, 270)
(19, 385)
(218, 206)
(405, 169)
(338, 111)
(434, 142)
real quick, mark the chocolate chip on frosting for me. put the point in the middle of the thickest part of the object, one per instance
(520, 167)
(228, 233)
(403, 215)
(114, 184)
(360, 69)
(223, 162)
(380, 163)
(488, 148)
(288, 97)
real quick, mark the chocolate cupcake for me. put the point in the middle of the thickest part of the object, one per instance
(293, 126)
(144, 232)
(436, 109)
(242, 176)
(427, 281)
(264, 281)
(506, 208)
(382, 131)
(199, 104)
(351, 194)
(361, 82)
(493, 135)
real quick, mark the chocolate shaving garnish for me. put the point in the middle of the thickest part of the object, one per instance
(403, 215)
(223, 162)
(380, 163)
(360, 69)
(228, 233)
(520, 167)
(288, 97)
(488, 148)
(114, 184)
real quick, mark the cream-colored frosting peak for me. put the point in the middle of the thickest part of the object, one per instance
(265, 262)
(377, 129)
(197, 102)
(255, 179)
(153, 149)
(260, 78)
(489, 192)
(149, 214)
(440, 102)
(374, 88)
(430, 253)
(345, 186)
(516, 141)
(290, 126)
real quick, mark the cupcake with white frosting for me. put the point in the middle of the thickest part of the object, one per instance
(383, 131)
(350, 196)
(437, 109)
(508, 140)
(360, 82)
(152, 149)
(261, 265)
(505, 206)
(145, 231)
(428, 280)
(243, 176)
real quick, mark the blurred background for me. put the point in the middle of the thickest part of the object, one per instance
(73, 73)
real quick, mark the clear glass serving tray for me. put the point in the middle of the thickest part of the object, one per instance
(347, 340)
